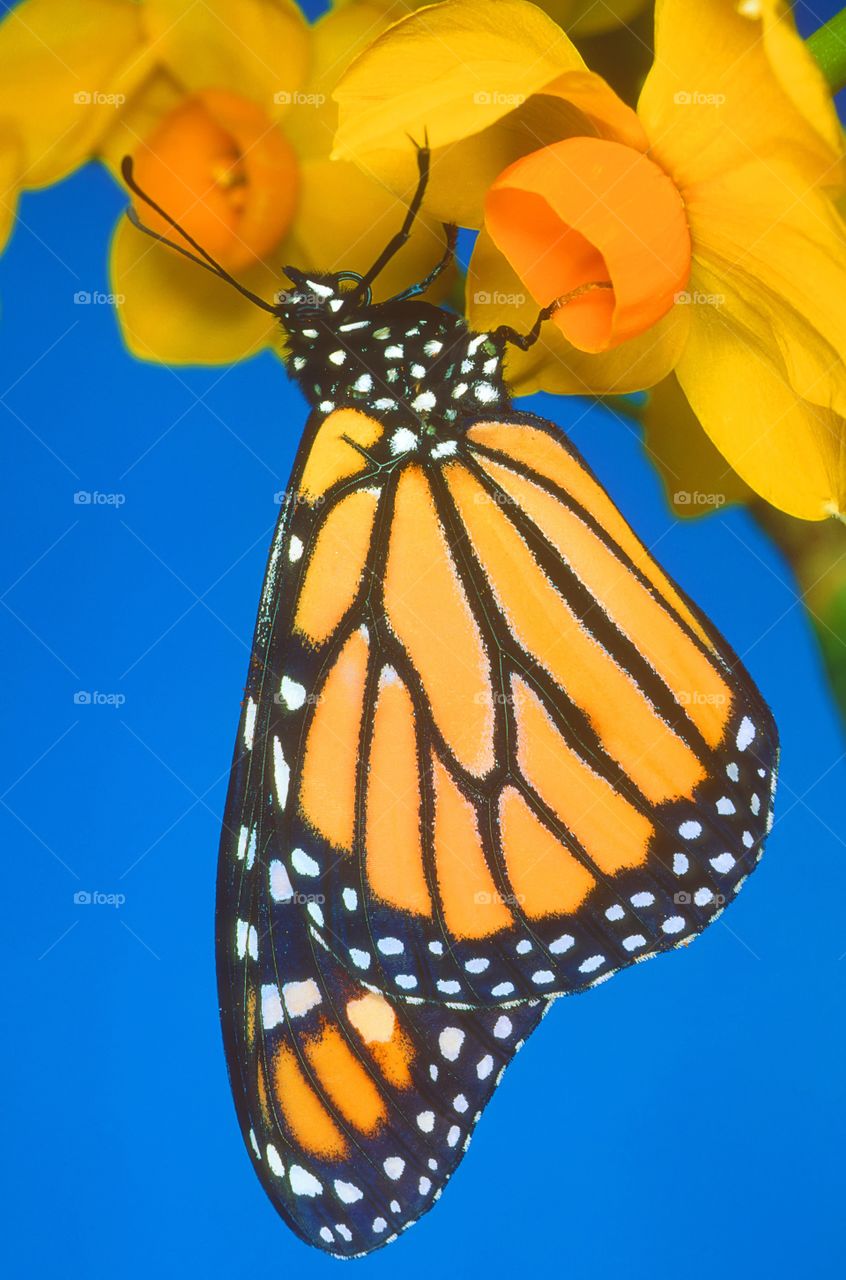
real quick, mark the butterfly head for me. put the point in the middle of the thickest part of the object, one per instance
(320, 299)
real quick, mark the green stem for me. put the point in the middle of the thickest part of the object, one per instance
(816, 552)
(828, 48)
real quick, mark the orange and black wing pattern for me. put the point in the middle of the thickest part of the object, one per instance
(513, 757)
(355, 1109)
(490, 754)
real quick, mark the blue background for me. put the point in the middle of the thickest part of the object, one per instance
(686, 1116)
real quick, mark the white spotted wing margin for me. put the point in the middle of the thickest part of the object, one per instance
(355, 1110)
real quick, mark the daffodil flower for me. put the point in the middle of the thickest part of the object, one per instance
(711, 212)
(227, 112)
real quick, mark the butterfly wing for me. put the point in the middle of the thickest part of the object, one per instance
(512, 757)
(355, 1110)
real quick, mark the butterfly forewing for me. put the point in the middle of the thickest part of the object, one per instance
(514, 757)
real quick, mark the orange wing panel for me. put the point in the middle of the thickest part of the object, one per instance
(610, 829)
(393, 840)
(537, 450)
(656, 759)
(695, 681)
(546, 878)
(345, 1081)
(328, 783)
(472, 906)
(430, 614)
(308, 1120)
(332, 457)
(334, 571)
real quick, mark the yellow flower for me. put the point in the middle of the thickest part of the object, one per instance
(67, 67)
(227, 112)
(712, 212)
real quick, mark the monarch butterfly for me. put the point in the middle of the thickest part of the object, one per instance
(489, 755)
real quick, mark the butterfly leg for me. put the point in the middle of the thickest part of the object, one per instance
(415, 290)
(396, 242)
(524, 341)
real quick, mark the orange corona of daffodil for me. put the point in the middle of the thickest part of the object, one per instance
(711, 212)
(227, 112)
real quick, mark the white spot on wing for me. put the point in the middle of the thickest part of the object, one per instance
(347, 1191)
(403, 441)
(484, 1067)
(281, 889)
(450, 1041)
(304, 1183)
(249, 723)
(281, 773)
(745, 734)
(305, 865)
(292, 693)
(300, 997)
(271, 1007)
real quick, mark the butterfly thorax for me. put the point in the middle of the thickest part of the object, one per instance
(409, 363)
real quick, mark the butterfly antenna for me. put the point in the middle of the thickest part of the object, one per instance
(204, 259)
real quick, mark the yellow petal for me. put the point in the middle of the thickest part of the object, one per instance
(712, 104)
(789, 450)
(779, 249)
(449, 71)
(68, 67)
(172, 311)
(346, 219)
(256, 48)
(11, 160)
(696, 477)
(336, 39)
(798, 73)
(496, 296)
